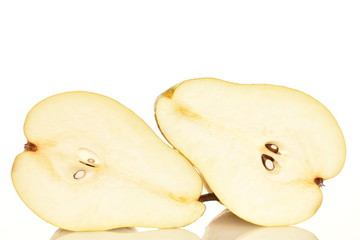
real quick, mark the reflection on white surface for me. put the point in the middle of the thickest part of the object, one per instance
(227, 226)
(126, 234)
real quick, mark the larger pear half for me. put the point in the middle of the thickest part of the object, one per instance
(92, 164)
(264, 150)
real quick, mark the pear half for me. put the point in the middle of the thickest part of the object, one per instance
(92, 164)
(264, 150)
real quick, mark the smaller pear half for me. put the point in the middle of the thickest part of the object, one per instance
(264, 150)
(92, 164)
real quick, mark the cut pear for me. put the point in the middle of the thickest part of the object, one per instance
(92, 164)
(264, 150)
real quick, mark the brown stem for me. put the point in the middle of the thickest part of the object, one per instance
(319, 181)
(208, 197)
(30, 147)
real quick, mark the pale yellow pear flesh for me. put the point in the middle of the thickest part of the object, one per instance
(95, 165)
(264, 150)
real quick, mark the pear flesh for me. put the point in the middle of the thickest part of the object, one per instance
(264, 150)
(92, 164)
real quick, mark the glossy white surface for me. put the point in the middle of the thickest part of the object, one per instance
(134, 50)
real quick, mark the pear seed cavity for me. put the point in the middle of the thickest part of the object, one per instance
(88, 157)
(79, 174)
(268, 162)
(91, 160)
(272, 147)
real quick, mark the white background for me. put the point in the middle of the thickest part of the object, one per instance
(133, 50)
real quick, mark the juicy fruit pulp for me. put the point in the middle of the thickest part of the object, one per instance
(264, 150)
(92, 164)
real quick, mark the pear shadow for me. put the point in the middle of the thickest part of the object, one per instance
(125, 234)
(227, 226)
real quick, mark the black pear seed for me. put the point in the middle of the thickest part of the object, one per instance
(272, 147)
(268, 162)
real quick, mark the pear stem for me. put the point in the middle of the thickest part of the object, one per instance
(319, 181)
(208, 197)
(30, 147)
